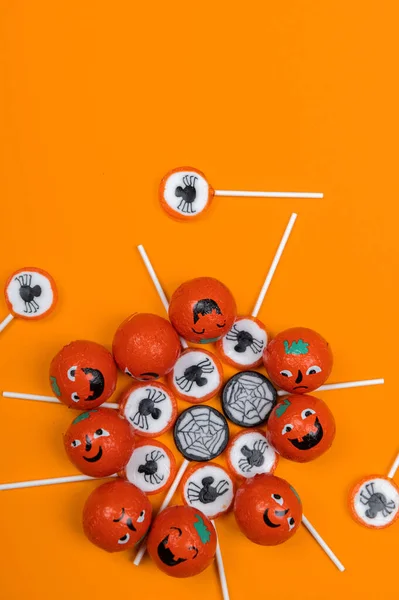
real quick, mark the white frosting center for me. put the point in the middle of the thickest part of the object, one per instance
(149, 409)
(251, 454)
(245, 342)
(195, 374)
(210, 490)
(186, 192)
(30, 294)
(148, 468)
(377, 502)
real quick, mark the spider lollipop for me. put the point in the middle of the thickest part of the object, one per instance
(249, 453)
(30, 293)
(150, 408)
(151, 467)
(209, 488)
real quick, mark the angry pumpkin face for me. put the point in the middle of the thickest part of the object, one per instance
(116, 516)
(298, 360)
(267, 509)
(83, 374)
(99, 443)
(182, 541)
(301, 428)
(202, 310)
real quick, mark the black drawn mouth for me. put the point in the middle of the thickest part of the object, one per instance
(148, 376)
(301, 387)
(96, 457)
(198, 332)
(310, 440)
(166, 555)
(278, 513)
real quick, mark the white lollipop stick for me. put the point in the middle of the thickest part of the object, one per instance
(220, 565)
(143, 546)
(323, 544)
(250, 194)
(52, 399)
(341, 386)
(6, 321)
(157, 284)
(274, 264)
(394, 468)
(52, 481)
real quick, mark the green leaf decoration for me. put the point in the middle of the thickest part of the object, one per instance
(282, 407)
(299, 347)
(202, 530)
(55, 387)
(296, 493)
(82, 417)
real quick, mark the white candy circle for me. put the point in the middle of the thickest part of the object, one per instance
(210, 490)
(186, 192)
(376, 502)
(30, 294)
(245, 342)
(149, 409)
(196, 383)
(251, 454)
(148, 468)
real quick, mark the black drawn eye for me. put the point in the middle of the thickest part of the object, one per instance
(124, 539)
(221, 326)
(75, 443)
(307, 412)
(128, 372)
(278, 499)
(75, 397)
(100, 433)
(313, 370)
(287, 428)
(141, 517)
(286, 373)
(178, 530)
(291, 523)
(71, 373)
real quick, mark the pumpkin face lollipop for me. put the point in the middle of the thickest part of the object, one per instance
(298, 360)
(146, 346)
(208, 488)
(301, 428)
(99, 443)
(151, 467)
(182, 541)
(30, 293)
(249, 453)
(267, 509)
(116, 516)
(197, 376)
(83, 374)
(202, 310)
(150, 408)
(242, 347)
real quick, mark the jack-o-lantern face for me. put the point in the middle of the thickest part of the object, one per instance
(182, 541)
(298, 360)
(99, 443)
(202, 310)
(267, 509)
(146, 346)
(83, 374)
(116, 516)
(301, 428)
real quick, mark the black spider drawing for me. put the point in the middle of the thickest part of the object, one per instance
(244, 340)
(254, 457)
(150, 468)
(376, 502)
(147, 408)
(29, 293)
(193, 374)
(207, 493)
(188, 194)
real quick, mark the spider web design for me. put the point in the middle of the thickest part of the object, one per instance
(201, 433)
(248, 400)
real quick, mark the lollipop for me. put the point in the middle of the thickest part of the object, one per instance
(202, 310)
(30, 294)
(83, 374)
(249, 453)
(99, 443)
(185, 193)
(243, 345)
(145, 346)
(208, 488)
(116, 516)
(248, 398)
(374, 500)
(151, 467)
(150, 408)
(182, 541)
(301, 428)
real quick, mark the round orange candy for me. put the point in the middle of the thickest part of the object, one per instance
(301, 428)
(202, 310)
(374, 502)
(99, 443)
(185, 193)
(30, 293)
(298, 360)
(267, 509)
(83, 374)
(116, 516)
(242, 347)
(146, 346)
(182, 541)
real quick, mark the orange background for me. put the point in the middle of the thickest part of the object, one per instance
(98, 101)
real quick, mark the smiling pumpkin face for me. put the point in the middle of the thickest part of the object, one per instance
(202, 310)
(301, 428)
(99, 443)
(298, 360)
(182, 541)
(267, 509)
(116, 516)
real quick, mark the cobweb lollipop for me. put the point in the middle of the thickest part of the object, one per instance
(30, 293)
(185, 193)
(243, 346)
(374, 501)
(249, 453)
(150, 408)
(248, 398)
(151, 467)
